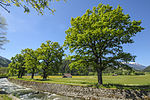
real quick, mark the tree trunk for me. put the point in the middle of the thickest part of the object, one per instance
(99, 73)
(44, 75)
(32, 76)
(19, 74)
(22, 72)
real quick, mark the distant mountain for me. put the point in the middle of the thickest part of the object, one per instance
(147, 69)
(136, 66)
(4, 62)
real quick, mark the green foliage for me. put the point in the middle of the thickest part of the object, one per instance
(17, 66)
(82, 71)
(97, 37)
(5, 97)
(38, 5)
(4, 62)
(45, 60)
(147, 69)
(31, 61)
(50, 56)
(4, 71)
(64, 67)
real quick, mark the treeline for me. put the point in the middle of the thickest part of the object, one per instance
(83, 70)
(4, 62)
(49, 60)
(147, 69)
(87, 70)
(44, 60)
(123, 71)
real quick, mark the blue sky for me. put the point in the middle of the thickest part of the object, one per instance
(30, 30)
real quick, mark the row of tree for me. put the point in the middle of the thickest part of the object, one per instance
(43, 60)
(95, 39)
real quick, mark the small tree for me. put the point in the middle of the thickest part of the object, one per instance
(12, 67)
(50, 57)
(17, 65)
(98, 36)
(31, 61)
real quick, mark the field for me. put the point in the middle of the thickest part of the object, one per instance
(140, 82)
(126, 82)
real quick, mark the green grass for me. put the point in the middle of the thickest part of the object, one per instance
(126, 82)
(4, 97)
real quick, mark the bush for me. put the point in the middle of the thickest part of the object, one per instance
(3, 75)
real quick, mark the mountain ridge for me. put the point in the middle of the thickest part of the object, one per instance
(135, 65)
(4, 62)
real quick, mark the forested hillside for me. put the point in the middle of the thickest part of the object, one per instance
(147, 69)
(4, 62)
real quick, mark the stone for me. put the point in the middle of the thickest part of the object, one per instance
(87, 93)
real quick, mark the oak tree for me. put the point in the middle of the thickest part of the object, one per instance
(17, 65)
(50, 57)
(97, 37)
(31, 61)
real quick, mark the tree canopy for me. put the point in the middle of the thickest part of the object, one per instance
(50, 56)
(97, 38)
(38, 5)
(17, 65)
(31, 61)
(45, 60)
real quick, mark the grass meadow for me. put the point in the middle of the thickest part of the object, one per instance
(140, 82)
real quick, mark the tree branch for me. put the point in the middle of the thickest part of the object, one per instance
(1, 4)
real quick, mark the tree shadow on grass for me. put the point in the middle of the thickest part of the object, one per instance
(84, 82)
(43, 79)
(126, 87)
